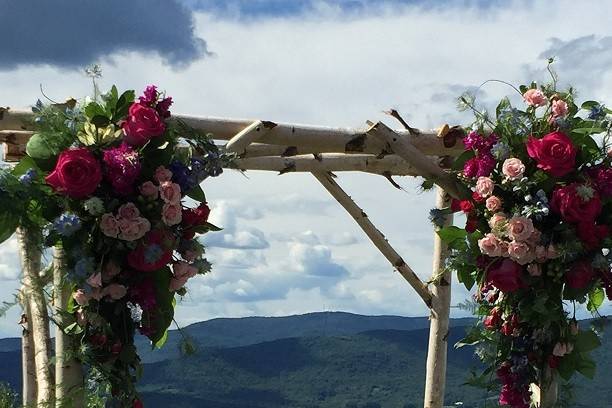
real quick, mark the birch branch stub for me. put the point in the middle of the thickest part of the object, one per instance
(377, 238)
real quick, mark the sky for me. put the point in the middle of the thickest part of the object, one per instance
(287, 247)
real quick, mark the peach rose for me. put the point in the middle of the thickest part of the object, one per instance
(520, 228)
(489, 245)
(493, 203)
(170, 192)
(128, 211)
(162, 174)
(115, 291)
(109, 226)
(513, 168)
(171, 214)
(559, 108)
(149, 190)
(81, 297)
(534, 97)
(484, 186)
(497, 220)
(520, 252)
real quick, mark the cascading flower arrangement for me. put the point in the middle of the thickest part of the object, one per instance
(115, 175)
(537, 237)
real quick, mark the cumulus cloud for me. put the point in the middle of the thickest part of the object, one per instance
(75, 33)
(224, 215)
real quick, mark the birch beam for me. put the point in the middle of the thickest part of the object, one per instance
(375, 235)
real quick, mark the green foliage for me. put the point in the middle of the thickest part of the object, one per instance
(8, 396)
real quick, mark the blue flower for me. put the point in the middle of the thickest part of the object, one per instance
(84, 267)
(597, 112)
(27, 178)
(67, 224)
(501, 151)
(181, 175)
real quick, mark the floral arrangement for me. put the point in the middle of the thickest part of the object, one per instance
(537, 237)
(108, 181)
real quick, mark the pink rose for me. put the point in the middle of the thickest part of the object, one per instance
(559, 108)
(503, 245)
(489, 245)
(182, 269)
(171, 214)
(484, 186)
(128, 211)
(493, 203)
(520, 228)
(162, 174)
(520, 252)
(129, 230)
(110, 270)
(497, 221)
(143, 225)
(170, 192)
(555, 153)
(109, 225)
(535, 237)
(149, 190)
(77, 173)
(534, 97)
(534, 270)
(115, 291)
(142, 124)
(81, 297)
(95, 280)
(513, 168)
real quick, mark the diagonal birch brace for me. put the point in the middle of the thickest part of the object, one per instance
(378, 239)
(254, 132)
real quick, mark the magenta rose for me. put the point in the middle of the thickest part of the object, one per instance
(554, 153)
(506, 275)
(572, 207)
(142, 124)
(77, 173)
(580, 275)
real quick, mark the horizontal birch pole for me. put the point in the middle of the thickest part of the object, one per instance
(290, 137)
(389, 165)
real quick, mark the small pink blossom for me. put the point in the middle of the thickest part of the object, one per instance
(562, 349)
(171, 214)
(559, 108)
(497, 220)
(484, 186)
(182, 272)
(109, 225)
(95, 280)
(162, 174)
(534, 97)
(128, 211)
(489, 245)
(81, 297)
(513, 168)
(170, 192)
(149, 190)
(493, 203)
(534, 269)
(520, 252)
(520, 228)
(115, 291)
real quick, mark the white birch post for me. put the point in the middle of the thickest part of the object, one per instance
(435, 380)
(546, 394)
(28, 368)
(68, 370)
(30, 247)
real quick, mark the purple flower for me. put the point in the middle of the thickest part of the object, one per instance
(486, 164)
(163, 107)
(122, 167)
(149, 97)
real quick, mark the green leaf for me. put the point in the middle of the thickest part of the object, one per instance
(25, 164)
(567, 366)
(463, 157)
(586, 341)
(100, 121)
(94, 109)
(503, 105)
(123, 105)
(596, 298)
(197, 194)
(588, 130)
(586, 366)
(588, 105)
(8, 225)
(453, 236)
(160, 343)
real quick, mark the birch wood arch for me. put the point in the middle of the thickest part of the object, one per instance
(277, 147)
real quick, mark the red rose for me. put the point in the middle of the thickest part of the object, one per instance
(76, 174)
(477, 197)
(493, 319)
(193, 217)
(554, 153)
(154, 253)
(574, 209)
(137, 404)
(471, 224)
(591, 234)
(455, 205)
(580, 275)
(553, 361)
(466, 206)
(505, 275)
(142, 124)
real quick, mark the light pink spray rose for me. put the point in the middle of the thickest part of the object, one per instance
(95, 280)
(172, 214)
(559, 108)
(81, 297)
(520, 228)
(497, 220)
(170, 192)
(109, 225)
(182, 272)
(493, 203)
(134, 229)
(490, 245)
(520, 252)
(162, 174)
(513, 168)
(115, 291)
(484, 186)
(149, 190)
(534, 97)
(128, 211)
